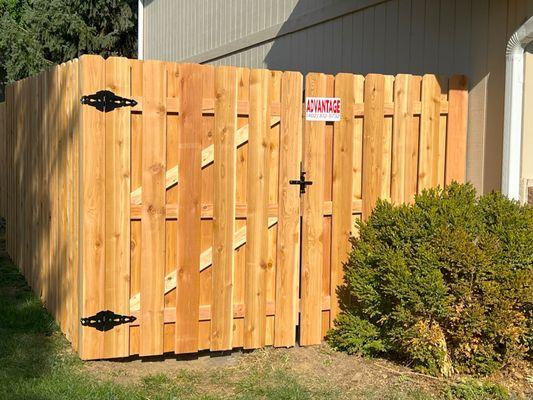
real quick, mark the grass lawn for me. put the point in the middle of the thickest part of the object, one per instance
(36, 362)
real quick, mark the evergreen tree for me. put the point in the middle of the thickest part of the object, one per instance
(39, 33)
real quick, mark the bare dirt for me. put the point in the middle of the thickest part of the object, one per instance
(315, 366)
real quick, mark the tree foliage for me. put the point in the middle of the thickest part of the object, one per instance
(39, 33)
(445, 284)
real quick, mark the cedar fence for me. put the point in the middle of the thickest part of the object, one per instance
(178, 210)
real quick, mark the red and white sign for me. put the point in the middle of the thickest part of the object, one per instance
(322, 109)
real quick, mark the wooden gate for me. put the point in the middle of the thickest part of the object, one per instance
(186, 216)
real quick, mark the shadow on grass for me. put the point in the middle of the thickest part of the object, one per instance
(35, 360)
(25, 326)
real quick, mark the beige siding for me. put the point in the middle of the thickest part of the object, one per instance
(395, 36)
(527, 132)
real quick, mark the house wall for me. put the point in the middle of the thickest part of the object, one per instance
(395, 36)
(527, 131)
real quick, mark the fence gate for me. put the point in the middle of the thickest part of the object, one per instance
(201, 203)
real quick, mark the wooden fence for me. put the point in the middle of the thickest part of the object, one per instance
(179, 211)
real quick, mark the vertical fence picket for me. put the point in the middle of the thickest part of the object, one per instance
(373, 141)
(457, 128)
(62, 194)
(386, 141)
(92, 203)
(288, 238)
(117, 206)
(257, 212)
(17, 136)
(224, 207)
(189, 209)
(9, 91)
(412, 141)
(74, 255)
(313, 220)
(343, 159)
(429, 133)
(37, 181)
(153, 207)
(401, 129)
(274, 96)
(357, 173)
(25, 117)
(136, 182)
(3, 159)
(54, 185)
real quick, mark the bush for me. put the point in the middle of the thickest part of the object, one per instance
(445, 284)
(473, 390)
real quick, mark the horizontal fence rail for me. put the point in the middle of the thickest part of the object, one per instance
(177, 209)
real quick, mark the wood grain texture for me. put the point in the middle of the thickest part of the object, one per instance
(288, 235)
(429, 133)
(313, 224)
(92, 206)
(153, 216)
(189, 213)
(257, 212)
(74, 255)
(373, 141)
(412, 141)
(401, 129)
(224, 207)
(343, 160)
(117, 206)
(457, 129)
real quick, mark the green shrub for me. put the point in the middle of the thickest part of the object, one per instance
(474, 390)
(445, 284)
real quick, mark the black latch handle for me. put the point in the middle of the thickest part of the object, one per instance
(302, 182)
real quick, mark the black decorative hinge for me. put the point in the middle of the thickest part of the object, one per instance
(302, 182)
(106, 320)
(106, 100)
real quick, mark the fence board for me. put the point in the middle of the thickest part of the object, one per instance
(74, 266)
(24, 177)
(37, 173)
(189, 212)
(274, 96)
(53, 144)
(117, 206)
(257, 212)
(136, 181)
(224, 207)
(153, 214)
(92, 203)
(62, 278)
(457, 127)
(412, 141)
(46, 212)
(401, 129)
(430, 133)
(313, 224)
(373, 141)
(3, 160)
(288, 238)
(9, 106)
(343, 159)
(386, 143)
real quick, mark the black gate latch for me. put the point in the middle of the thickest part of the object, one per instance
(106, 100)
(106, 320)
(302, 182)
